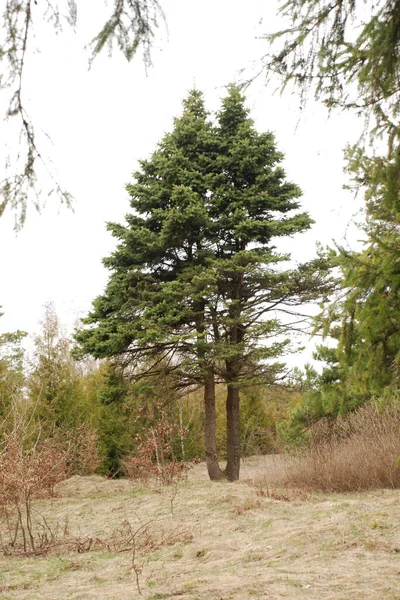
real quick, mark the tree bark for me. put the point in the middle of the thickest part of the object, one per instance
(210, 417)
(233, 367)
(233, 433)
(210, 425)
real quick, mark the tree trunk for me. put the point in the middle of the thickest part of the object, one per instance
(210, 425)
(233, 433)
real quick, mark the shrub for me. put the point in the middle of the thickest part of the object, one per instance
(359, 452)
(154, 457)
(83, 451)
(26, 474)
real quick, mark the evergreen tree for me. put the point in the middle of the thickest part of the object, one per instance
(60, 392)
(366, 318)
(155, 267)
(348, 53)
(196, 284)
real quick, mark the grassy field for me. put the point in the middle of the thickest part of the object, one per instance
(115, 540)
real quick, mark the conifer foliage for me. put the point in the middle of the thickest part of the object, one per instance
(348, 54)
(196, 288)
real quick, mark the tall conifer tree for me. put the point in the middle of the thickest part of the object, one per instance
(196, 285)
(348, 54)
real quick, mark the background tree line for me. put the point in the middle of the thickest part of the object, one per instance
(51, 396)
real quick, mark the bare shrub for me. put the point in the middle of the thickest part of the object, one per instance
(143, 539)
(139, 540)
(26, 474)
(283, 495)
(83, 451)
(154, 457)
(356, 453)
(246, 505)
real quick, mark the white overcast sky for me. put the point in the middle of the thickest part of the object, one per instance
(103, 120)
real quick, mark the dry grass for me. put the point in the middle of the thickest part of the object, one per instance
(359, 453)
(213, 541)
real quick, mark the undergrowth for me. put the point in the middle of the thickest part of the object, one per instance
(359, 452)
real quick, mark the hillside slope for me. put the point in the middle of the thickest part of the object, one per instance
(115, 540)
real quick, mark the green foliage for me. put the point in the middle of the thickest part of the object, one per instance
(54, 383)
(195, 275)
(130, 25)
(364, 363)
(372, 304)
(196, 286)
(128, 409)
(118, 419)
(292, 434)
(61, 404)
(347, 53)
(365, 318)
(257, 431)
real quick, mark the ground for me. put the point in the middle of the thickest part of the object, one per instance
(117, 540)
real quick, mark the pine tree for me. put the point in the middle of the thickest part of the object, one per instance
(196, 284)
(348, 54)
(367, 315)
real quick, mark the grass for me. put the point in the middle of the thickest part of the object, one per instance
(218, 541)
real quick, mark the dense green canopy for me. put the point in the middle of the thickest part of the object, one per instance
(196, 285)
